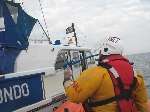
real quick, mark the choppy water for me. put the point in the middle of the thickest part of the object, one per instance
(142, 63)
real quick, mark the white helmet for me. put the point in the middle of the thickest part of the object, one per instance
(110, 46)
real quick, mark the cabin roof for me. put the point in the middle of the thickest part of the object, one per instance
(66, 47)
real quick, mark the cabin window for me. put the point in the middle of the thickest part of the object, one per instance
(2, 26)
(90, 60)
(61, 58)
(83, 62)
(75, 57)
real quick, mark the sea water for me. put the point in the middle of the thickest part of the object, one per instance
(142, 63)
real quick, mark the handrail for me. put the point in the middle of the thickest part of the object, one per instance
(72, 62)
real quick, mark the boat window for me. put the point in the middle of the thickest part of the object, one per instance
(83, 60)
(2, 26)
(61, 58)
(75, 57)
(90, 60)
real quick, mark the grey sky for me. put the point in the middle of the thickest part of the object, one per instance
(97, 19)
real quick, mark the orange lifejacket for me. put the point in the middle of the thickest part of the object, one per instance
(122, 75)
(149, 106)
(70, 107)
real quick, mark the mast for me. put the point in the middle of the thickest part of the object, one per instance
(70, 30)
(74, 34)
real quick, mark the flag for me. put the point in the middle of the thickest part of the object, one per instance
(69, 30)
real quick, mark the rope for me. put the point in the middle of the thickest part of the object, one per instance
(47, 34)
(44, 18)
